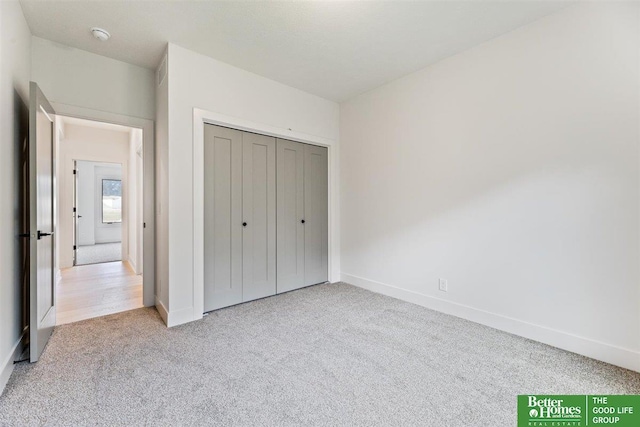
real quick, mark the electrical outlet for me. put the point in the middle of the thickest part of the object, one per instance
(443, 285)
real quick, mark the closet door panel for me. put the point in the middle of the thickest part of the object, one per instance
(316, 215)
(259, 215)
(290, 206)
(222, 217)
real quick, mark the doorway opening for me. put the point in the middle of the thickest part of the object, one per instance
(99, 189)
(98, 212)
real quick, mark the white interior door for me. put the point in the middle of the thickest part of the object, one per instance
(85, 212)
(75, 212)
(41, 223)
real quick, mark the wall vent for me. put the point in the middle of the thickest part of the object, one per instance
(162, 70)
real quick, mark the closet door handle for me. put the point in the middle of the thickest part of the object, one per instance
(302, 221)
(244, 224)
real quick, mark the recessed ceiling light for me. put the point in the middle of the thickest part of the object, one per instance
(101, 34)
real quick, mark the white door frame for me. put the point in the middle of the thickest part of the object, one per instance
(202, 117)
(148, 147)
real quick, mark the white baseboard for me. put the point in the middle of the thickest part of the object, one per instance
(162, 310)
(176, 317)
(604, 352)
(7, 364)
(179, 317)
(133, 265)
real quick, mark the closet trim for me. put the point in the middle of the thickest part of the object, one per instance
(202, 117)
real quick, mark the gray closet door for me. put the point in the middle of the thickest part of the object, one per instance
(290, 158)
(222, 217)
(259, 216)
(315, 215)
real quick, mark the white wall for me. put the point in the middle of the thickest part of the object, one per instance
(72, 76)
(15, 69)
(512, 171)
(96, 145)
(196, 81)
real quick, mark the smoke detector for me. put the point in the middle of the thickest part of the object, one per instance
(101, 34)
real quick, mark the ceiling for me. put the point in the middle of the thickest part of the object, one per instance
(65, 120)
(334, 49)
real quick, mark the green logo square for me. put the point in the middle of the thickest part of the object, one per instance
(578, 410)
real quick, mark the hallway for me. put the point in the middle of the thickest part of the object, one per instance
(98, 253)
(96, 290)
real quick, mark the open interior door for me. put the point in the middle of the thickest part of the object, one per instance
(75, 213)
(41, 223)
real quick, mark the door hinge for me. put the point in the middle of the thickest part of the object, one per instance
(74, 210)
(144, 225)
(74, 171)
(74, 247)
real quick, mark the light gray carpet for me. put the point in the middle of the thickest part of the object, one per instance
(329, 355)
(100, 252)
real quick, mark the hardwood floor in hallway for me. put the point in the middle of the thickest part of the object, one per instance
(88, 291)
